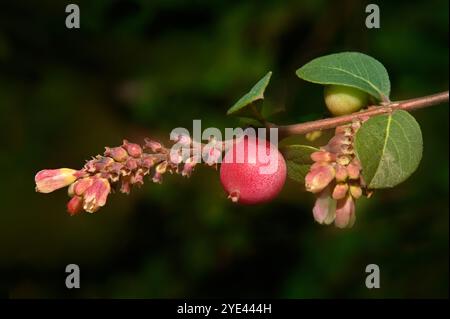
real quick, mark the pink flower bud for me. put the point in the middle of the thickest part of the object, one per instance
(353, 170)
(131, 164)
(102, 163)
(133, 149)
(80, 186)
(345, 212)
(213, 155)
(157, 178)
(335, 143)
(355, 191)
(324, 210)
(323, 156)
(188, 166)
(341, 173)
(119, 154)
(147, 161)
(75, 205)
(137, 178)
(159, 171)
(49, 180)
(114, 171)
(154, 146)
(175, 156)
(318, 178)
(183, 139)
(125, 186)
(340, 191)
(95, 196)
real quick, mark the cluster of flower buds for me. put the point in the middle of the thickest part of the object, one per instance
(119, 168)
(335, 178)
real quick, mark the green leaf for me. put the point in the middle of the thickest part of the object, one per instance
(254, 95)
(389, 148)
(298, 160)
(349, 69)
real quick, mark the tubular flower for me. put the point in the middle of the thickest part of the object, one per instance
(49, 180)
(118, 169)
(335, 178)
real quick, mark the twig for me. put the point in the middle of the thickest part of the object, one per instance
(408, 105)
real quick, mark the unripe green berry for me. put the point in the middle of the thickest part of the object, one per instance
(342, 100)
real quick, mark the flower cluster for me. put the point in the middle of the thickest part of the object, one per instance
(335, 178)
(119, 168)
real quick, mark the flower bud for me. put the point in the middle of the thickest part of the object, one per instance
(318, 178)
(147, 161)
(182, 139)
(154, 146)
(125, 186)
(119, 154)
(355, 191)
(341, 173)
(324, 210)
(212, 155)
(131, 164)
(134, 150)
(335, 143)
(49, 180)
(345, 212)
(323, 156)
(340, 191)
(353, 170)
(159, 171)
(75, 205)
(175, 156)
(102, 163)
(188, 166)
(137, 178)
(80, 186)
(95, 196)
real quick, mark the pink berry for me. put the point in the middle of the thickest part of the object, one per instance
(249, 178)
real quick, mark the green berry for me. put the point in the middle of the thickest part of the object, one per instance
(342, 100)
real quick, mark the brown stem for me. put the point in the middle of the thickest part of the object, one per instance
(408, 105)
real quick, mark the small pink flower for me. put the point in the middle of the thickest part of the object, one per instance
(159, 171)
(345, 212)
(125, 186)
(134, 150)
(355, 191)
(319, 178)
(212, 155)
(75, 205)
(323, 156)
(183, 139)
(154, 146)
(340, 190)
(95, 196)
(353, 170)
(324, 210)
(49, 180)
(80, 186)
(119, 154)
(341, 173)
(148, 161)
(131, 164)
(188, 166)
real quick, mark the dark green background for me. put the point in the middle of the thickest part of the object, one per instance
(141, 68)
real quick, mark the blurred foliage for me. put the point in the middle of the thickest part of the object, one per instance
(141, 68)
